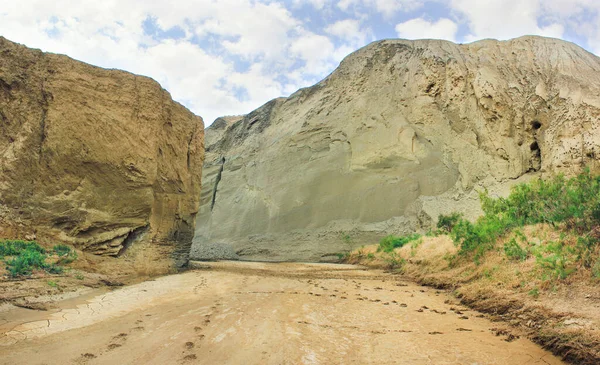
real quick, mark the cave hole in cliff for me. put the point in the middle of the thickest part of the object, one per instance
(536, 124)
(536, 157)
(132, 236)
(534, 146)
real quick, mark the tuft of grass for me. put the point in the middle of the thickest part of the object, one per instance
(53, 284)
(554, 260)
(65, 254)
(395, 262)
(596, 269)
(514, 251)
(342, 256)
(535, 292)
(346, 238)
(391, 242)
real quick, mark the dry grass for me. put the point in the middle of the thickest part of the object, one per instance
(561, 315)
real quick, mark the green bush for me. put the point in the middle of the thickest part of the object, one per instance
(14, 247)
(25, 262)
(22, 257)
(447, 222)
(574, 202)
(389, 243)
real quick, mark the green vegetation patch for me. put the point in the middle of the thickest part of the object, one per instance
(23, 257)
(389, 243)
(574, 202)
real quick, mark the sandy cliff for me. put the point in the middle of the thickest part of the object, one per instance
(93, 157)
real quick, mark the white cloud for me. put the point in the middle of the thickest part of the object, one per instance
(110, 34)
(349, 30)
(235, 55)
(315, 50)
(386, 7)
(420, 28)
(317, 4)
(504, 19)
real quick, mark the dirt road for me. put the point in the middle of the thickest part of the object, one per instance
(258, 313)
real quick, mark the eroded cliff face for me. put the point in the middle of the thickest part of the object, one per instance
(93, 157)
(401, 132)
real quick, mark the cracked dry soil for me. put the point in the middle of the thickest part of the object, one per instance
(264, 313)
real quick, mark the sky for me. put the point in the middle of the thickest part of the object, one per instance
(228, 57)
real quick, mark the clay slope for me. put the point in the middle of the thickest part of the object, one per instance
(401, 132)
(93, 157)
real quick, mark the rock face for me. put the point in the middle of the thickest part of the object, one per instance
(401, 132)
(95, 158)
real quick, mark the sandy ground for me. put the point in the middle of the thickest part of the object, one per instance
(259, 313)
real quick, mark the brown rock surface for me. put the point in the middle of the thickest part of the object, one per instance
(401, 132)
(93, 157)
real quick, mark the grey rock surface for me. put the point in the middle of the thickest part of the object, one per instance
(213, 251)
(400, 132)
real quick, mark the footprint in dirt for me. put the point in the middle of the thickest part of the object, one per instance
(189, 345)
(188, 358)
(84, 358)
(198, 331)
(117, 341)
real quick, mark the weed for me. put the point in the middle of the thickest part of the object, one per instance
(65, 254)
(514, 251)
(371, 256)
(389, 243)
(79, 276)
(395, 262)
(414, 245)
(61, 250)
(556, 264)
(53, 284)
(535, 292)
(346, 238)
(596, 269)
(342, 256)
(584, 249)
